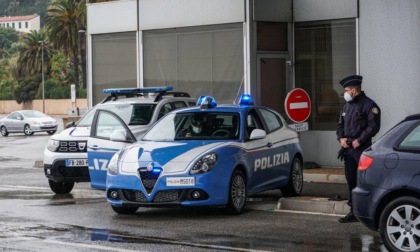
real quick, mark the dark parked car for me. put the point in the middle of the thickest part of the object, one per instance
(387, 196)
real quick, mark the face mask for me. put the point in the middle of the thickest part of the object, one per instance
(196, 130)
(347, 97)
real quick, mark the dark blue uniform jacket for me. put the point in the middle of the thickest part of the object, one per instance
(361, 119)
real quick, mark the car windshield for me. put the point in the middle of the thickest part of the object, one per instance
(131, 114)
(196, 126)
(33, 114)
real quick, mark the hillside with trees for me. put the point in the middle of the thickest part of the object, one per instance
(60, 44)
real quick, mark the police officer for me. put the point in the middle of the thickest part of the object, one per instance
(359, 121)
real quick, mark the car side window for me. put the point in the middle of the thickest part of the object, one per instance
(14, 116)
(412, 140)
(272, 121)
(178, 104)
(252, 122)
(164, 110)
(107, 125)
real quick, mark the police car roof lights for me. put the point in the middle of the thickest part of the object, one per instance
(246, 100)
(137, 90)
(206, 102)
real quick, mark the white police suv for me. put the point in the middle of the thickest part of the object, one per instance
(65, 156)
(208, 155)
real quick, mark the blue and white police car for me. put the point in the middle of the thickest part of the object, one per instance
(207, 155)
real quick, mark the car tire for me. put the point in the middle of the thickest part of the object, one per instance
(3, 131)
(237, 193)
(295, 184)
(124, 210)
(51, 132)
(397, 233)
(27, 130)
(61, 187)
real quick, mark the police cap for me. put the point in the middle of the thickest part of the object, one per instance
(351, 80)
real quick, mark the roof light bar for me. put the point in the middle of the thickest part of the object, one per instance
(246, 100)
(137, 90)
(206, 102)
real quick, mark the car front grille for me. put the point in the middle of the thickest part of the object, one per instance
(148, 178)
(167, 196)
(72, 146)
(160, 197)
(134, 196)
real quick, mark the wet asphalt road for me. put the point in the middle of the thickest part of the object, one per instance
(32, 218)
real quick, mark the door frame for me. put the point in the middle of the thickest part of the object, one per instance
(280, 55)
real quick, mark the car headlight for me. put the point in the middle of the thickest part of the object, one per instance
(113, 164)
(205, 163)
(35, 123)
(53, 145)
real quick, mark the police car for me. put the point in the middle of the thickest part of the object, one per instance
(208, 155)
(65, 156)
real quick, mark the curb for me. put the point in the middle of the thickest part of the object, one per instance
(317, 205)
(324, 178)
(39, 164)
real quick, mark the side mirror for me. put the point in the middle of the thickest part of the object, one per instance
(19, 118)
(257, 134)
(70, 124)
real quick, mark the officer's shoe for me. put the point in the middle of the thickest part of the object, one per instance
(348, 218)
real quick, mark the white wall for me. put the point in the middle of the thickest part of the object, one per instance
(389, 32)
(161, 14)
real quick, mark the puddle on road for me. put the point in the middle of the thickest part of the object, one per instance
(9, 158)
(79, 234)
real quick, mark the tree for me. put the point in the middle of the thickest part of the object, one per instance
(63, 25)
(27, 88)
(8, 36)
(29, 61)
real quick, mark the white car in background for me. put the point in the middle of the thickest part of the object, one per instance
(65, 156)
(27, 122)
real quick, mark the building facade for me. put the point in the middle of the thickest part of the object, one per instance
(266, 48)
(22, 24)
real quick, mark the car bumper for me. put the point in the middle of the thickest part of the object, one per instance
(208, 190)
(59, 172)
(40, 128)
(365, 200)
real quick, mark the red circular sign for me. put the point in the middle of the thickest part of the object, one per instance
(298, 105)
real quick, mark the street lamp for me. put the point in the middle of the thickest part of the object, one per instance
(42, 69)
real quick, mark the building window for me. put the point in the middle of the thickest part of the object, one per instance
(206, 60)
(26, 25)
(114, 62)
(13, 25)
(272, 36)
(20, 25)
(325, 53)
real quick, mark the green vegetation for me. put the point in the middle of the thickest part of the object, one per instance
(57, 51)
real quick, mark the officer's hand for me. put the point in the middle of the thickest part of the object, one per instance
(355, 143)
(343, 143)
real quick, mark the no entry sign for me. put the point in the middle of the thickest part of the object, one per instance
(298, 105)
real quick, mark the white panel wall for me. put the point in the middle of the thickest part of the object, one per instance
(118, 16)
(389, 32)
(161, 14)
(310, 10)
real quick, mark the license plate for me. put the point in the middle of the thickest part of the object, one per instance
(76, 162)
(180, 181)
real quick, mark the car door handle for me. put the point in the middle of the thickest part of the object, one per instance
(93, 147)
(269, 144)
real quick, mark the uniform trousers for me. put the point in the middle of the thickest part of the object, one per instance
(351, 162)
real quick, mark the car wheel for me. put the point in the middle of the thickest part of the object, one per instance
(295, 184)
(27, 130)
(51, 132)
(237, 193)
(399, 224)
(61, 187)
(124, 210)
(3, 131)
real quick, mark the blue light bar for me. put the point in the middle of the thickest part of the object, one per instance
(246, 100)
(137, 90)
(206, 102)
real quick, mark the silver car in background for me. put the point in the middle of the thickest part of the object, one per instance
(27, 122)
